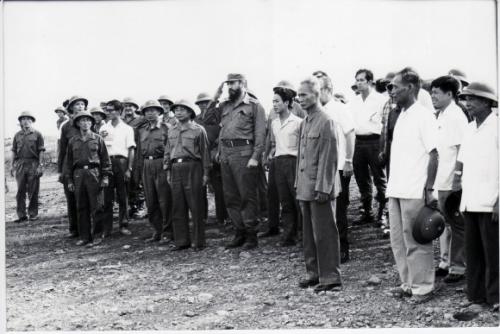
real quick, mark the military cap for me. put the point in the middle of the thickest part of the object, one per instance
(480, 90)
(152, 104)
(98, 110)
(235, 77)
(459, 75)
(82, 114)
(285, 84)
(203, 97)
(320, 73)
(130, 100)
(61, 109)
(165, 98)
(186, 104)
(26, 114)
(75, 98)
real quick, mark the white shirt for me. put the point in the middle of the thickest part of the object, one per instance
(415, 135)
(451, 124)
(286, 135)
(424, 98)
(479, 155)
(119, 138)
(344, 123)
(367, 114)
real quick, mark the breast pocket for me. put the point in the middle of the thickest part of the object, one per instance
(93, 149)
(293, 140)
(244, 120)
(188, 140)
(313, 141)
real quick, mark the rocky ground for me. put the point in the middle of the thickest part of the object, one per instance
(126, 284)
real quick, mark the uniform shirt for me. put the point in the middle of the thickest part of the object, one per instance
(134, 122)
(188, 141)
(415, 136)
(210, 120)
(119, 139)
(317, 157)
(479, 155)
(286, 135)
(27, 144)
(89, 151)
(344, 124)
(451, 124)
(244, 120)
(169, 119)
(390, 115)
(367, 114)
(152, 140)
(61, 121)
(97, 127)
(68, 131)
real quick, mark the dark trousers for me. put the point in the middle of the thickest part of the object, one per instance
(27, 183)
(263, 208)
(86, 193)
(321, 241)
(71, 207)
(158, 196)
(135, 189)
(216, 182)
(240, 187)
(273, 199)
(187, 185)
(365, 160)
(284, 170)
(341, 212)
(481, 249)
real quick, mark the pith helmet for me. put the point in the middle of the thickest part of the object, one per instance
(203, 97)
(98, 110)
(186, 104)
(80, 115)
(460, 76)
(285, 84)
(26, 114)
(481, 90)
(235, 77)
(428, 226)
(165, 98)
(75, 98)
(130, 100)
(61, 109)
(152, 104)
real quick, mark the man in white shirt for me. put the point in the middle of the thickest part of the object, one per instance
(414, 161)
(367, 112)
(476, 173)
(344, 123)
(120, 143)
(284, 137)
(451, 123)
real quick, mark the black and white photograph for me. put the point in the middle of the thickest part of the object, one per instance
(249, 165)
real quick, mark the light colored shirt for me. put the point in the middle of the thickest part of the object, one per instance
(451, 124)
(286, 135)
(479, 155)
(367, 114)
(424, 98)
(344, 123)
(119, 138)
(415, 136)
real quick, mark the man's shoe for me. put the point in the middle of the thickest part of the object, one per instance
(154, 238)
(198, 248)
(251, 241)
(304, 284)
(366, 218)
(125, 231)
(344, 256)
(328, 287)
(440, 272)
(34, 218)
(165, 240)
(286, 243)
(400, 293)
(453, 278)
(82, 242)
(179, 248)
(97, 241)
(237, 241)
(72, 235)
(269, 233)
(21, 219)
(420, 299)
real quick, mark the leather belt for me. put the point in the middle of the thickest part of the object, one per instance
(150, 157)
(285, 156)
(179, 160)
(236, 142)
(368, 137)
(89, 166)
(118, 156)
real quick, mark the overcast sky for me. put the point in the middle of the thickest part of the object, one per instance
(104, 50)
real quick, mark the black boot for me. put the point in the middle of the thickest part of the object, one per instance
(251, 240)
(238, 240)
(381, 213)
(367, 215)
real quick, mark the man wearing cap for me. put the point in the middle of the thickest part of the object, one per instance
(452, 124)
(414, 163)
(153, 137)
(464, 82)
(188, 160)
(100, 118)
(476, 173)
(61, 116)
(120, 143)
(68, 130)
(241, 144)
(317, 183)
(168, 116)
(87, 169)
(27, 148)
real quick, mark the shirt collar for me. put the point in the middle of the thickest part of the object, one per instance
(310, 117)
(492, 118)
(156, 125)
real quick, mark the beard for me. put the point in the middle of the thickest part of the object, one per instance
(234, 94)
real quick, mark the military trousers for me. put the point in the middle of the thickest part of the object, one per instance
(88, 195)
(284, 169)
(240, 187)
(216, 182)
(135, 191)
(273, 198)
(28, 183)
(187, 185)
(158, 196)
(71, 207)
(321, 242)
(341, 212)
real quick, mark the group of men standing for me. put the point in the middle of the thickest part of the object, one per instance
(312, 142)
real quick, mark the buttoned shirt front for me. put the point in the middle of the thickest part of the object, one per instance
(367, 114)
(152, 140)
(415, 136)
(285, 135)
(479, 155)
(119, 139)
(451, 124)
(188, 141)
(344, 123)
(317, 158)
(28, 144)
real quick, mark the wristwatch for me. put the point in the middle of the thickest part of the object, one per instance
(458, 172)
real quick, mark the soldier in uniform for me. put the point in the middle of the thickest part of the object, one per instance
(188, 160)
(100, 118)
(87, 169)
(241, 143)
(168, 117)
(27, 148)
(153, 137)
(76, 104)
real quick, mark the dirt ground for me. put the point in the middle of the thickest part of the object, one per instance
(126, 284)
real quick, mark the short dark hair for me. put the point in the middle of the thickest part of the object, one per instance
(447, 84)
(117, 105)
(368, 74)
(65, 103)
(409, 76)
(286, 95)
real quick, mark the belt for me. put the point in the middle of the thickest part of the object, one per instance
(89, 166)
(150, 157)
(286, 156)
(118, 156)
(179, 160)
(236, 142)
(368, 137)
